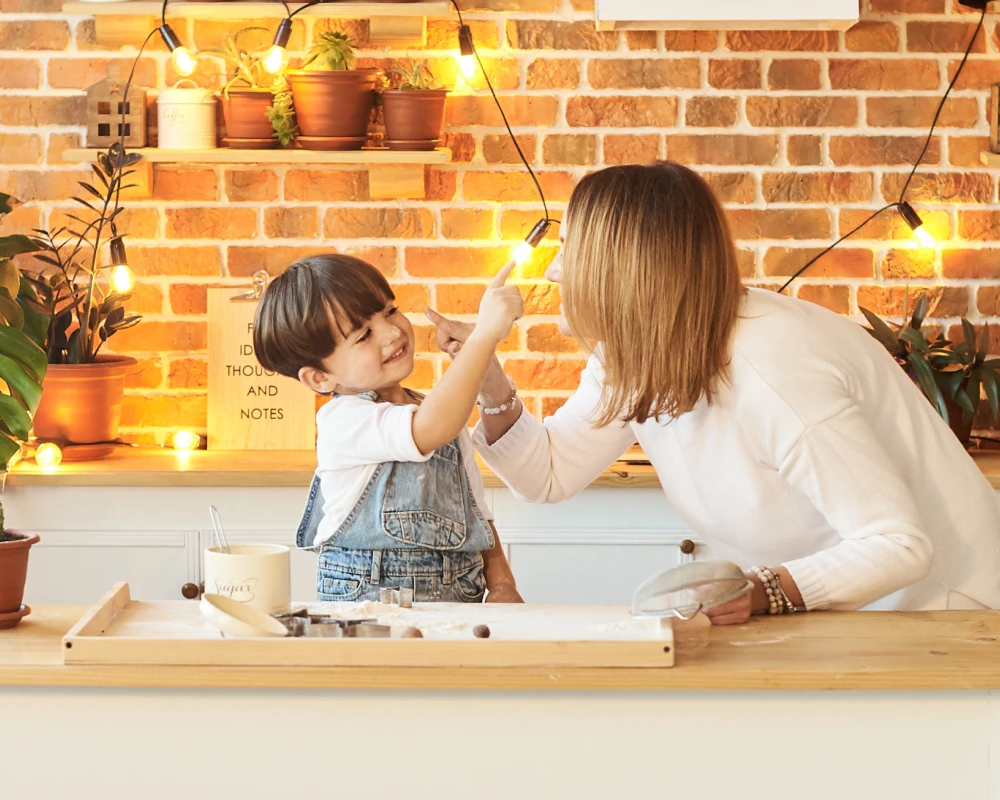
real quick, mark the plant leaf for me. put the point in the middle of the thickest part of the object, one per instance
(914, 338)
(882, 332)
(15, 244)
(984, 344)
(990, 383)
(919, 312)
(7, 449)
(925, 377)
(20, 382)
(18, 347)
(15, 417)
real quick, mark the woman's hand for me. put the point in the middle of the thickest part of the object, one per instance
(735, 612)
(451, 335)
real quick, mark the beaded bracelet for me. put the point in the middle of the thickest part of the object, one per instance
(505, 406)
(777, 600)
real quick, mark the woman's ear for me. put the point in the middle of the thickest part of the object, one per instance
(317, 380)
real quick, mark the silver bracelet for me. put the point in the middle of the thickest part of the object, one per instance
(509, 405)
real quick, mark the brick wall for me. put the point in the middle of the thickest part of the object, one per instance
(802, 134)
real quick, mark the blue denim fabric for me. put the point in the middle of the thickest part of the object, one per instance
(357, 575)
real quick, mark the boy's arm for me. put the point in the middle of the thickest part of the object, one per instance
(445, 410)
(500, 584)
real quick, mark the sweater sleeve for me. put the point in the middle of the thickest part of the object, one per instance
(850, 479)
(353, 432)
(552, 461)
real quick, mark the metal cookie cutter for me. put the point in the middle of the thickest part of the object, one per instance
(685, 590)
(322, 626)
(396, 597)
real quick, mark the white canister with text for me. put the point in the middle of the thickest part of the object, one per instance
(185, 118)
(256, 574)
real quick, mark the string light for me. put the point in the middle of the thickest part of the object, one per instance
(276, 57)
(122, 279)
(180, 57)
(467, 59)
(916, 224)
(48, 455)
(185, 440)
(523, 250)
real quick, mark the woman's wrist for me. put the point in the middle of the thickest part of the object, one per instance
(496, 387)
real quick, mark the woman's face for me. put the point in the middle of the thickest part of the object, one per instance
(554, 273)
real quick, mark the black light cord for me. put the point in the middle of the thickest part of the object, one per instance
(503, 116)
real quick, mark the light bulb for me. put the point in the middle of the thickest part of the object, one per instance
(924, 237)
(275, 59)
(185, 440)
(183, 61)
(521, 253)
(48, 455)
(467, 66)
(122, 280)
(912, 218)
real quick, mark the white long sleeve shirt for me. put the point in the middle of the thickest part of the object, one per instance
(820, 454)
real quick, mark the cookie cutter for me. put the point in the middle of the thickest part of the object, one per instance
(685, 590)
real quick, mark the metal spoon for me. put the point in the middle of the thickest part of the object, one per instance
(220, 537)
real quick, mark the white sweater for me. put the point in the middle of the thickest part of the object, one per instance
(820, 455)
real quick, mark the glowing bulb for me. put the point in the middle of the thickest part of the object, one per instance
(15, 459)
(925, 239)
(467, 66)
(48, 455)
(275, 59)
(182, 60)
(121, 279)
(912, 218)
(185, 440)
(521, 253)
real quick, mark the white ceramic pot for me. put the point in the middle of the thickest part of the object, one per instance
(258, 575)
(186, 118)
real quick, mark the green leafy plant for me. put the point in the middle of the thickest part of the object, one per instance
(68, 313)
(22, 362)
(281, 112)
(332, 50)
(412, 74)
(244, 67)
(943, 369)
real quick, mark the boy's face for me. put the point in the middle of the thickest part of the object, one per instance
(376, 356)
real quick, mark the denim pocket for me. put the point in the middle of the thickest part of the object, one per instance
(334, 584)
(470, 584)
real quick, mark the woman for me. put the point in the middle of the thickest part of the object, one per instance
(783, 434)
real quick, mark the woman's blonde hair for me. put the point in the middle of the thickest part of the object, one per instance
(650, 272)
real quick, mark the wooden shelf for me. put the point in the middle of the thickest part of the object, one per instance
(391, 24)
(392, 174)
(989, 159)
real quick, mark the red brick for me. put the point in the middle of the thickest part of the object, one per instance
(440, 185)
(691, 41)
(838, 263)
(630, 149)
(34, 35)
(291, 223)
(908, 6)
(19, 73)
(710, 112)
(948, 187)
(641, 40)
(467, 223)
(79, 73)
(168, 411)
(385, 223)
(817, 187)
(147, 374)
(459, 298)
(796, 74)
(21, 219)
(150, 336)
(894, 301)
(550, 405)
(552, 73)
(881, 150)
(40, 185)
(884, 74)
(541, 299)
(723, 149)
(917, 262)
(732, 187)
(411, 298)
(442, 34)
(963, 151)
(504, 73)
(193, 261)
(511, 186)
(545, 338)
(20, 148)
(499, 149)
(188, 373)
(462, 146)
(251, 184)
(808, 41)
(811, 112)
(326, 185)
(644, 73)
(184, 184)
(59, 143)
(870, 36)
(189, 298)
(622, 112)
(211, 223)
(516, 224)
(384, 259)
(988, 301)
(529, 34)
(979, 225)
(835, 298)
(734, 73)
(548, 373)
(805, 151)
(918, 112)
(780, 223)
(943, 37)
(977, 75)
(459, 262)
(242, 262)
(37, 112)
(890, 225)
(572, 149)
(520, 109)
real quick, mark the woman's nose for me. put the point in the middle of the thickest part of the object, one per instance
(554, 271)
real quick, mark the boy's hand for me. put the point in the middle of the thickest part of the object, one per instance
(500, 308)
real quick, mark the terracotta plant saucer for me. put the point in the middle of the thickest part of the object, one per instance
(9, 619)
(87, 452)
(250, 144)
(412, 144)
(332, 142)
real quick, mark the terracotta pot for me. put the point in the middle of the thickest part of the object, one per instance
(333, 105)
(13, 573)
(246, 114)
(413, 114)
(82, 403)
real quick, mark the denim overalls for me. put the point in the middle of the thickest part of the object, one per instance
(416, 525)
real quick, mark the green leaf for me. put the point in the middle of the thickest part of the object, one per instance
(972, 394)
(16, 244)
(984, 344)
(915, 338)
(990, 383)
(970, 335)
(882, 332)
(10, 278)
(5, 205)
(950, 382)
(14, 416)
(36, 324)
(7, 449)
(10, 310)
(21, 383)
(925, 377)
(15, 345)
(919, 312)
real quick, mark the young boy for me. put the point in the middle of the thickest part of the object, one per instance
(397, 501)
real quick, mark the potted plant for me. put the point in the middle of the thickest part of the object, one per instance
(72, 307)
(414, 108)
(22, 368)
(249, 96)
(950, 374)
(332, 100)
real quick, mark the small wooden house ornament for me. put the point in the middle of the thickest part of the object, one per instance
(105, 101)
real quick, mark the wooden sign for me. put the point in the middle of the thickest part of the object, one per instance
(110, 114)
(250, 408)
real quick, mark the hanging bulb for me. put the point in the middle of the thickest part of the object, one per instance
(185, 440)
(523, 250)
(276, 58)
(912, 218)
(122, 280)
(180, 57)
(467, 59)
(48, 455)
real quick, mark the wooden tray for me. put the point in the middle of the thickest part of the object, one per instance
(119, 630)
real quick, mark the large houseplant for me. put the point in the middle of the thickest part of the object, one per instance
(952, 375)
(22, 368)
(72, 308)
(332, 99)
(414, 108)
(248, 97)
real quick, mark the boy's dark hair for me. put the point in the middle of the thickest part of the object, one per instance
(292, 328)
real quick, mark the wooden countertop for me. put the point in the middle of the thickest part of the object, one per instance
(940, 650)
(156, 466)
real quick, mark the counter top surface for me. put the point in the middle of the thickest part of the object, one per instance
(939, 650)
(155, 466)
